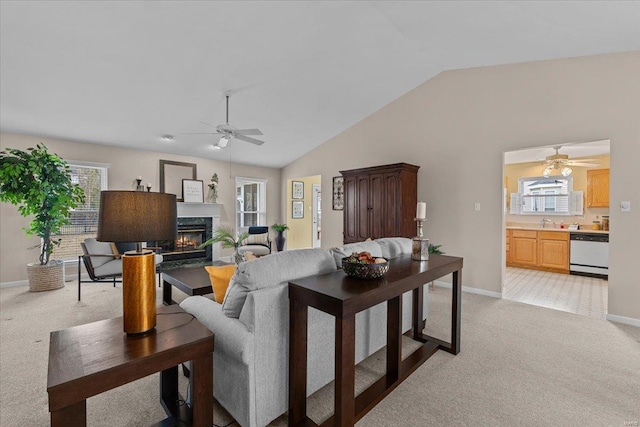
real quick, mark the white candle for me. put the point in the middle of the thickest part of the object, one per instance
(140, 178)
(421, 210)
(148, 184)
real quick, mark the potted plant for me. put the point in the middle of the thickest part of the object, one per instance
(40, 184)
(213, 188)
(227, 237)
(280, 239)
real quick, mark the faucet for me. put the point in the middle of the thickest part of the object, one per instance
(545, 220)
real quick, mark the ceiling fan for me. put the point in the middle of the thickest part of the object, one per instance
(562, 162)
(228, 131)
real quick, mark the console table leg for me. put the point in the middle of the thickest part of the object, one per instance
(71, 416)
(202, 391)
(297, 362)
(394, 337)
(166, 293)
(345, 371)
(456, 310)
(418, 310)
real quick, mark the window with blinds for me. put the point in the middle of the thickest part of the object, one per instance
(92, 178)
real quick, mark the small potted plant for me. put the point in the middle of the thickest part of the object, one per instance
(227, 237)
(40, 184)
(280, 239)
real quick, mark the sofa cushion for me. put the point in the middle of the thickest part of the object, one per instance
(368, 246)
(220, 276)
(272, 270)
(393, 247)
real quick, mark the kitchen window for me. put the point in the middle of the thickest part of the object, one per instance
(547, 196)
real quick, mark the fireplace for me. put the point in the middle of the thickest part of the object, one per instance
(192, 232)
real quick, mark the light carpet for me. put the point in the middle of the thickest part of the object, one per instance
(519, 365)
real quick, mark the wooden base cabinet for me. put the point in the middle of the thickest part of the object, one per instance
(553, 250)
(380, 201)
(539, 250)
(524, 247)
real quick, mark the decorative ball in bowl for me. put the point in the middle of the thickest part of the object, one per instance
(363, 266)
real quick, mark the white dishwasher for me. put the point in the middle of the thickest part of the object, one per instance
(589, 255)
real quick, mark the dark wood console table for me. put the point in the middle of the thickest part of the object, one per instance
(343, 297)
(90, 359)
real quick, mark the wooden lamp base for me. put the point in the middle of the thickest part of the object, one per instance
(138, 292)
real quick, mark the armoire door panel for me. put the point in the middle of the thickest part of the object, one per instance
(392, 208)
(377, 206)
(362, 208)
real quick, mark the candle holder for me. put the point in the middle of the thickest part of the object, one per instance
(420, 245)
(148, 189)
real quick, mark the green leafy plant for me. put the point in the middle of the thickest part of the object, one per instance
(40, 184)
(280, 227)
(227, 236)
(435, 249)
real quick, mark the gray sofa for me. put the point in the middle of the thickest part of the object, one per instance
(251, 329)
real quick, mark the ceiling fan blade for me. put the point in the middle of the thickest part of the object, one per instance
(583, 164)
(248, 139)
(249, 132)
(208, 124)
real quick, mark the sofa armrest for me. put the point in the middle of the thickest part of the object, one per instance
(231, 336)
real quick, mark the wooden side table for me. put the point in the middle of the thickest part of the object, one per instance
(343, 297)
(90, 359)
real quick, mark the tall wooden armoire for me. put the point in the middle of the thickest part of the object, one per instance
(380, 201)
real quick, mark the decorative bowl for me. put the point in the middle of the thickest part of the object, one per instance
(365, 271)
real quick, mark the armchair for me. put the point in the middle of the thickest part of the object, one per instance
(258, 242)
(103, 262)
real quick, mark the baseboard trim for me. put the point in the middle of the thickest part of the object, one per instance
(476, 291)
(14, 284)
(621, 319)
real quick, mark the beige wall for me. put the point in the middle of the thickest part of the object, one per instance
(457, 125)
(125, 165)
(300, 233)
(525, 170)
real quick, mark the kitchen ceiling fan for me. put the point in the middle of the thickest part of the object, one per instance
(228, 131)
(562, 162)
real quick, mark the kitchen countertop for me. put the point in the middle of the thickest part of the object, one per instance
(565, 230)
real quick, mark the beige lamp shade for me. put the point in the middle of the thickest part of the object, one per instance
(136, 216)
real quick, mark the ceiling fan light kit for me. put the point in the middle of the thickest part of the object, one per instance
(562, 162)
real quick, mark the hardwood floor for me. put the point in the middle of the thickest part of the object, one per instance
(576, 294)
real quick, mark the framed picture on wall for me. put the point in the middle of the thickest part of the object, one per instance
(192, 191)
(297, 210)
(338, 193)
(297, 190)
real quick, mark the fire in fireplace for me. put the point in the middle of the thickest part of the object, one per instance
(192, 232)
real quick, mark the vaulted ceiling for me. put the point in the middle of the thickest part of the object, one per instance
(126, 73)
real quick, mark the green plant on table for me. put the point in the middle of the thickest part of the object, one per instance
(40, 184)
(435, 249)
(280, 227)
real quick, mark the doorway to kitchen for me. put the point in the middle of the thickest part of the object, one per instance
(553, 195)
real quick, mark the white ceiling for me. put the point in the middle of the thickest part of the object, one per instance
(125, 73)
(573, 150)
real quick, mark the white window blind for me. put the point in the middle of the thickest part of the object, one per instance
(92, 178)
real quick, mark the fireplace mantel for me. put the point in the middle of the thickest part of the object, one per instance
(210, 210)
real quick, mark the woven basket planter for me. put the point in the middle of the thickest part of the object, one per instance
(46, 277)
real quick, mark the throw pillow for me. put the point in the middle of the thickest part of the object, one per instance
(220, 277)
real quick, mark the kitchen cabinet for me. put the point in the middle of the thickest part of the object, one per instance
(508, 244)
(524, 247)
(598, 188)
(553, 250)
(539, 250)
(380, 201)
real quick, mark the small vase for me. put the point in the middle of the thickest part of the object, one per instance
(237, 257)
(280, 239)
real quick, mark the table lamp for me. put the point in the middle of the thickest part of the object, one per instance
(134, 216)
